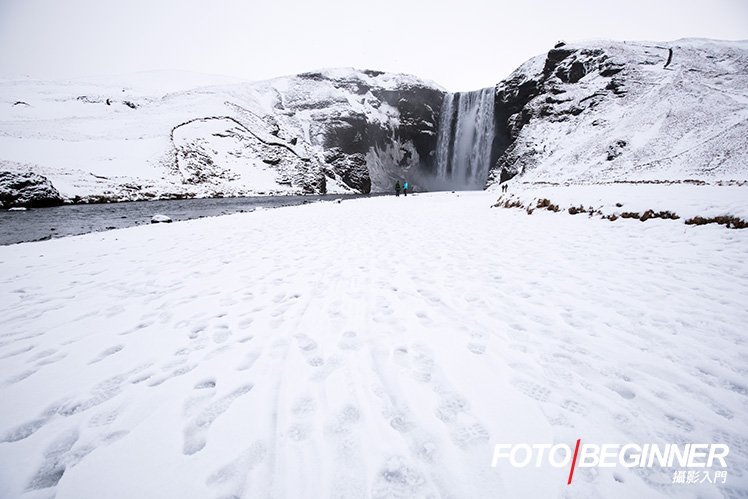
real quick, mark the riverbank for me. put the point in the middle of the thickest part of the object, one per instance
(39, 224)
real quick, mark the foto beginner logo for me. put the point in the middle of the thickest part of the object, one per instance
(694, 457)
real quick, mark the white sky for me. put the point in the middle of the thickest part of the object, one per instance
(462, 45)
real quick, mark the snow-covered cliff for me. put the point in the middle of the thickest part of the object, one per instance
(332, 131)
(588, 112)
(605, 111)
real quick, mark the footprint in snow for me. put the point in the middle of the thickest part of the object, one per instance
(39, 355)
(55, 462)
(397, 478)
(477, 348)
(195, 433)
(465, 435)
(532, 390)
(450, 406)
(575, 407)
(103, 418)
(418, 359)
(205, 384)
(402, 423)
(180, 371)
(19, 352)
(249, 360)
(304, 407)
(349, 341)
(20, 376)
(106, 353)
(308, 348)
(221, 334)
(622, 391)
(205, 391)
(232, 476)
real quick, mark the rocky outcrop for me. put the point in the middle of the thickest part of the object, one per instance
(607, 111)
(220, 150)
(27, 189)
(544, 95)
(350, 168)
(366, 120)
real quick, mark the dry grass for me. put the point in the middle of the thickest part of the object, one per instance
(728, 221)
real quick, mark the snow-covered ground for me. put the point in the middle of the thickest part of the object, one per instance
(371, 348)
(686, 200)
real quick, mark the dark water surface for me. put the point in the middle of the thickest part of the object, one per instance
(37, 224)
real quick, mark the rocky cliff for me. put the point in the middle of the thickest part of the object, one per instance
(330, 131)
(609, 111)
(592, 112)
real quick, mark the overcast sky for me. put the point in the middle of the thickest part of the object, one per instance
(462, 45)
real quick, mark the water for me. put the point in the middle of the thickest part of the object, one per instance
(466, 133)
(44, 223)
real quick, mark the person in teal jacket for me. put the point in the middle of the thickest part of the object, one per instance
(405, 188)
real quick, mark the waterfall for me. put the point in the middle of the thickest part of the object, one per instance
(466, 133)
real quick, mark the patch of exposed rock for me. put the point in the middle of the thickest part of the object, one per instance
(27, 189)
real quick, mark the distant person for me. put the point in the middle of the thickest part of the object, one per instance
(397, 188)
(405, 188)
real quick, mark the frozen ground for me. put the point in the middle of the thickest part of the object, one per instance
(372, 348)
(684, 199)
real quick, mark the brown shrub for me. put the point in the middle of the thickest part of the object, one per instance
(508, 203)
(574, 210)
(543, 203)
(728, 221)
(647, 215)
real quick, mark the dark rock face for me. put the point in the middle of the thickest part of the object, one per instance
(576, 72)
(409, 142)
(616, 149)
(528, 95)
(351, 168)
(351, 134)
(27, 189)
(419, 109)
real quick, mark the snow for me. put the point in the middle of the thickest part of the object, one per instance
(159, 219)
(371, 348)
(686, 121)
(86, 147)
(684, 199)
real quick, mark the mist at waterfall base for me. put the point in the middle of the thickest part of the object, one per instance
(466, 134)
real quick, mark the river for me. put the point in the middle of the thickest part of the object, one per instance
(37, 224)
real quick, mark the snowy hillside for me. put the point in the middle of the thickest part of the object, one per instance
(604, 111)
(334, 131)
(591, 112)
